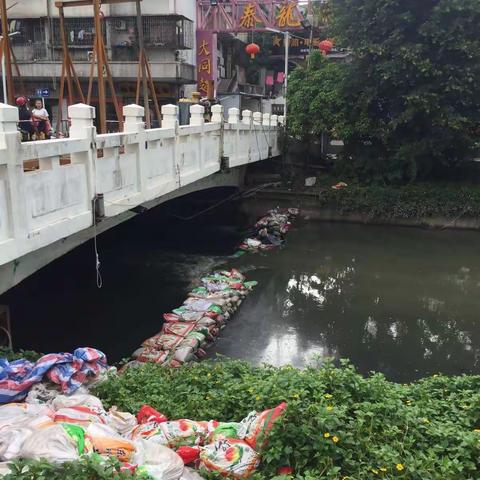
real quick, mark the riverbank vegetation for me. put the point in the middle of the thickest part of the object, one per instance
(407, 105)
(418, 201)
(338, 424)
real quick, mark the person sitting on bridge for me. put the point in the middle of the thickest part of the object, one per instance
(25, 117)
(41, 119)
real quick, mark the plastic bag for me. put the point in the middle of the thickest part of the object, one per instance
(11, 442)
(149, 431)
(230, 457)
(188, 454)
(53, 444)
(190, 474)
(121, 422)
(184, 432)
(80, 415)
(106, 441)
(158, 461)
(148, 414)
(255, 427)
(83, 400)
(224, 430)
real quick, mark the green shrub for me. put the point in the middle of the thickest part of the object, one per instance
(12, 355)
(419, 431)
(88, 468)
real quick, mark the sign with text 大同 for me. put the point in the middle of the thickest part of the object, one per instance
(206, 61)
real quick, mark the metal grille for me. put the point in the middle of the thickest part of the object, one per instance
(29, 41)
(80, 32)
(168, 31)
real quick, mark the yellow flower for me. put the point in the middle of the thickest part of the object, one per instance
(326, 435)
(477, 430)
(329, 408)
(251, 390)
(400, 467)
(335, 439)
(258, 398)
(383, 469)
(296, 395)
(436, 375)
(209, 375)
(327, 396)
(375, 471)
(345, 478)
(426, 420)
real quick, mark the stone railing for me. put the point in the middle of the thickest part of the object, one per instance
(55, 199)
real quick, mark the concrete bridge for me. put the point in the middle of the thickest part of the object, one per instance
(49, 209)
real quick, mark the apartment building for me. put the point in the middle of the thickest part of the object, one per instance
(169, 33)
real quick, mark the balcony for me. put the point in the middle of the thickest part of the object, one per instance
(179, 72)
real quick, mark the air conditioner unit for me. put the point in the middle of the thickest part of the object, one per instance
(119, 25)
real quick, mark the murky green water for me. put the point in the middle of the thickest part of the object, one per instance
(397, 300)
(401, 301)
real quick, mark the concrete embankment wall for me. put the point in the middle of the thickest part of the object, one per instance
(312, 209)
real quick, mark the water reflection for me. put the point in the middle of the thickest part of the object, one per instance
(391, 300)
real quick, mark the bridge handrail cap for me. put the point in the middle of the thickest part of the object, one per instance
(8, 113)
(80, 110)
(133, 110)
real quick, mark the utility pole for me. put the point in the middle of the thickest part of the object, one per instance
(102, 101)
(143, 60)
(6, 53)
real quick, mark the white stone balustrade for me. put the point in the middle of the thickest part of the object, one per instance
(52, 202)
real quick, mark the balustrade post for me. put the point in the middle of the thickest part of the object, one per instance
(82, 127)
(169, 116)
(247, 117)
(233, 116)
(134, 124)
(257, 118)
(274, 120)
(133, 118)
(217, 114)
(281, 120)
(266, 119)
(197, 115)
(11, 170)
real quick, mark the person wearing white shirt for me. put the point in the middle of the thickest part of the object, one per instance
(41, 118)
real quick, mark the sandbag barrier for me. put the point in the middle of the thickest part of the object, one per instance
(189, 329)
(68, 427)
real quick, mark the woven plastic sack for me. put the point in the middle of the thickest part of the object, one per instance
(255, 427)
(184, 432)
(107, 441)
(230, 457)
(158, 461)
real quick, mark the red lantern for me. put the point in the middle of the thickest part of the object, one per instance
(252, 49)
(326, 46)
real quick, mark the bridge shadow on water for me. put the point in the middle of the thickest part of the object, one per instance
(147, 265)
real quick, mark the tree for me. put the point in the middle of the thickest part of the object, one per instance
(412, 89)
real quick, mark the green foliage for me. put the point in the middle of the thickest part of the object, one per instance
(408, 202)
(88, 468)
(411, 95)
(338, 424)
(12, 355)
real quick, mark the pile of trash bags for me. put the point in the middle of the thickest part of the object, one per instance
(68, 427)
(269, 232)
(68, 371)
(196, 324)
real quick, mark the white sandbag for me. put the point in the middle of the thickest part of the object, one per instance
(76, 400)
(11, 442)
(106, 441)
(4, 469)
(190, 474)
(42, 393)
(24, 414)
(122, 422)
(160, 462)
(51, 443)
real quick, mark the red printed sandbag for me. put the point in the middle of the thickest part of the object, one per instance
(148, 414)
(79, 415)
(171, 317)
(189, 454)
(182, 329)
(230, 457)
(151, 355)
(255, 427)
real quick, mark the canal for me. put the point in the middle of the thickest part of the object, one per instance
(401, 301)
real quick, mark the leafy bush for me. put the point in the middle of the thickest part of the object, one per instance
(88, 468)
(408, 104)
(12, 355)
(408, 202)
(338, 424)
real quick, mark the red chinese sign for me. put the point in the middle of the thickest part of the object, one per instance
(206, 62)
